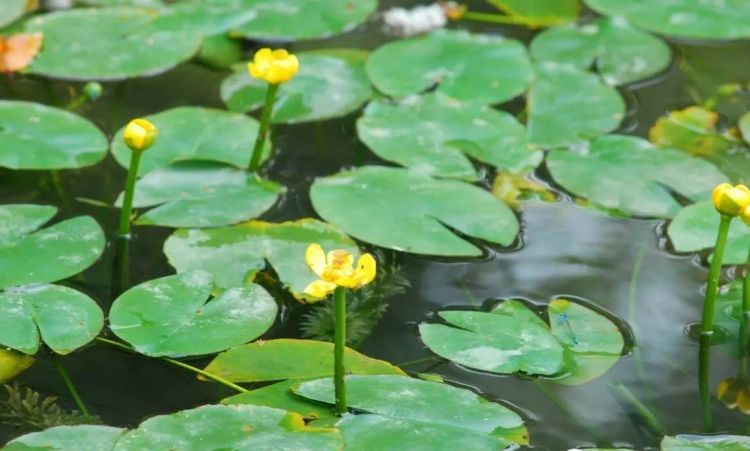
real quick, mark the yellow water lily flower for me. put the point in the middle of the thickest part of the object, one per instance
(335, 270)
(140, 134)
(12, 364)
(274, 66)
(730, 200)
(735, 392)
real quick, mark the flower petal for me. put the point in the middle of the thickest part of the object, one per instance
(316, 258)
(366, 269)
(743, 401)
(320, 289)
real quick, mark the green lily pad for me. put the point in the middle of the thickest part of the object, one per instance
(692, 129)
(12, 10)
(374, 432)
(568, 107)
(328, 85)
(234, 254)
(202, 194)
(712, 19)
(404, 398)
(274, 360)
(411, 212)
(158, 4)
(745, 127)
(282, 20)
(36, 136)
(510, 339)
(28, 255)
(82, 437)
(539, 13)
(631, 176)
(279, 396)
(65, 318)
(202, 17)
(237, 427)
(695, 227)
(107, 44)
(170, 316)
(705, 443)
(194, 133)
(434, 134)
(620, 53)
(456, 62)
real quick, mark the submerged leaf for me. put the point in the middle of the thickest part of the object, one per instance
(693, 130)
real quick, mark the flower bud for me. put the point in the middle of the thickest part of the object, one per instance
(12, 364)
(273, 66)
(140, 134)
(92, 90)
(730, 200)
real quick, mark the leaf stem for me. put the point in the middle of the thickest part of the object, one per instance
(71, 388)
(127, 203)
(265, 125)
(76, 103)
(651, 420)
(339, 339)
(492, 18)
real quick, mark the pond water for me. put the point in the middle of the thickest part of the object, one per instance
(624, 266)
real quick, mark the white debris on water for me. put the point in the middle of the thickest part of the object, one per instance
(410, 22)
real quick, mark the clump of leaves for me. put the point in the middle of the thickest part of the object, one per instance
(29, 410)
(364, 307)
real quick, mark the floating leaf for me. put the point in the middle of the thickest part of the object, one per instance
(234, 254)
(456, 62)
(568, 107)
(202, 17)
(279, 396)
(711, 19)
(631, 176)
(705, 443)
(281, 20)
(36, 136)
(432, 134)
(65, 318)
(157, 4)
(510, 339)
(170, 316)
(404, 398)
(82, 437)
(411, 212)
(692, 129)
(202, 194)
(18, 50)
(194, 133)
(328, 85)
(540, 13)
(11, 11)
(620, 53)
(229, 427)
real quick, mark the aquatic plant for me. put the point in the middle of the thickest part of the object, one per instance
(139, 135)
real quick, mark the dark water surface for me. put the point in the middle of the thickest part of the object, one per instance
(623, 266)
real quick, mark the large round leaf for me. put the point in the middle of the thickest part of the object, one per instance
(170, 316)
(434, 134)
(236, 427)
(202, 194)
(107, 44)
(203, 17)
(411, 212)
(400, 397)
(12, 10)
(65, 318)
(35, 136)
(539, 13)
(705, 19)
(633, 177)
(510, 339)
(235, 254)
(620, 53)
(277, 20)
(329, 84)
(194, 133)
(464, 66)
(568, 106)
(83, 437)
(705, 443)
(28, 255)
(279, 395)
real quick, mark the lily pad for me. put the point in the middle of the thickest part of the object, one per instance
(693, 130)
(158, 4)
(620, 53)
(82, 437)
(282, 20)
(705, 443)
(465, 66)
(65, 318)
(279, 396)
(328, 85)
(631, 176)
(194, 133)
(411, 212)
(36, 136)
(11, 11)
(509, 339)
(202, 17)
(404, 398)
(710, 19)
(539, 13)
(234, 254)
(434, 134)
(568, 106)
(202, 194)
(170, 316)
(229, 427)
(107, 44)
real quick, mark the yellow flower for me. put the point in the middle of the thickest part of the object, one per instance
(335, 270)
(140, 134)
(273, 66)
(735, 392)
(12, 363)
(730, 200)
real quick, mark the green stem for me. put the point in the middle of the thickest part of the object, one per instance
(76, 103)
(177, 363)
(265, 125)
(121, 268)
(540, 384)
(59, 190)
(651, 420)
(339, 339)
(492, 18)
(71, 388)
(127, 203)
(743, 336)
